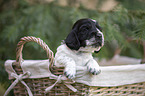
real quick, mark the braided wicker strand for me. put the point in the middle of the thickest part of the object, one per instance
(38, 41)
(137, 89)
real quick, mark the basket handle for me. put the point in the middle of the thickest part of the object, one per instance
(38, 41)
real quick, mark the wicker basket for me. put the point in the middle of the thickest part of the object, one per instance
(38, 85)
(137, 89)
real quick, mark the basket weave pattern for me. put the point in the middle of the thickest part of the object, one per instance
(137, 89)
(38, 85)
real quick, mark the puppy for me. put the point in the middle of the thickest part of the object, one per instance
(76, 50)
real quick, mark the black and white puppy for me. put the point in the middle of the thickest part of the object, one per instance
(84, 38)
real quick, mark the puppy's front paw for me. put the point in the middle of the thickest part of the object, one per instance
(93, 69)
(70, 72)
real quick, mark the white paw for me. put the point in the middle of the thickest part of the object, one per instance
(70, 72)
(94, 69)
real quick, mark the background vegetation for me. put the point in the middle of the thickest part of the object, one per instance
(52, 22)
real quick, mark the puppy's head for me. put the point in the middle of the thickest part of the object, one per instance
(86, 34)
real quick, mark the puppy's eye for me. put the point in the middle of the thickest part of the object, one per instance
(85, 28)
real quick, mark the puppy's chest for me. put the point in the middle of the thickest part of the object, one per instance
(82, 58)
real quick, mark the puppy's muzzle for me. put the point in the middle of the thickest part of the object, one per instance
(98, 39)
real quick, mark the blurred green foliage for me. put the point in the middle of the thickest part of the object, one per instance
(52, 23)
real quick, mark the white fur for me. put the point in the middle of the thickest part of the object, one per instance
(65, 57)
(69, 59)
(93, 20)
(102, 36)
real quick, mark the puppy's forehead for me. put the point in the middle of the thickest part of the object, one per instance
(86, 22)
(82, 22)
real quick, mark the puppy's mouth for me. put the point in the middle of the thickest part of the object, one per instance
(94, 44)
(97, 44)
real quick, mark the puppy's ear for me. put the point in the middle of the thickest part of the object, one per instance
(72, 40)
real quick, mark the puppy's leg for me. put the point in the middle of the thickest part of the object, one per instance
(68, 63)
(70, 70)
(93, 67)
